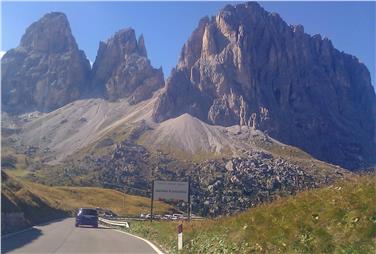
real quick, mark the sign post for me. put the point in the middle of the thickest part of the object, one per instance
(180, 237)
(152, 201)
(189, 199)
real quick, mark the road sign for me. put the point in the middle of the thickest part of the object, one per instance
(171, 190)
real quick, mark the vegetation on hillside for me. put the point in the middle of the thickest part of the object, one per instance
(263, 170)
(21, 207)
(39, 203)
(340, 218)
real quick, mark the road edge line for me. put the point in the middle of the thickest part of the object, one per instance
(145, 240)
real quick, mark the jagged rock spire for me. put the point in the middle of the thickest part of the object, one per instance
(122, 69)
(47, 70)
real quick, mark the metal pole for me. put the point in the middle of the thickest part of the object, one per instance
(152, 201)
(124, 199)
(189, 198)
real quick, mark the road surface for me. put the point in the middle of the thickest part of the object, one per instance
(63, 237)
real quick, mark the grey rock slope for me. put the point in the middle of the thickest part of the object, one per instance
(46, 71)
(122, 69)
(247, 66)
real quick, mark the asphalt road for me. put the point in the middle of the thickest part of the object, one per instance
(63, 237)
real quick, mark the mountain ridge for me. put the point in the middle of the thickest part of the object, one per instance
(48, 71)
(247, 66)
(230, 80)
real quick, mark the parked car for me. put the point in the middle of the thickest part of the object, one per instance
(157, 217)
(87, 216)
(177, 216)
(109, 215)
(167, 217)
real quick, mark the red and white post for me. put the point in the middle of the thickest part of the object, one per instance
(180, 237)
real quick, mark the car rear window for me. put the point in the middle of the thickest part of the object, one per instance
(89, 212)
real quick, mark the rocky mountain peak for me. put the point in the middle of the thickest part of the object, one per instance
(247, 66)
(122, 69)
(192, 48)
(141, 46)
(51, 33)
(125, 43)
(47, 70)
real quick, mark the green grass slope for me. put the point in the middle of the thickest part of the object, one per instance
(24, 203)
(337, 219)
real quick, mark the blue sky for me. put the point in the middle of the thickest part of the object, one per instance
(167, 25)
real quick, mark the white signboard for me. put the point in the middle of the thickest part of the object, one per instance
(170, 190)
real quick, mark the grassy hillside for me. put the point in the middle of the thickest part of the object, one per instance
(71, 198)
(39, 203)
(21, 208)
(337, 219)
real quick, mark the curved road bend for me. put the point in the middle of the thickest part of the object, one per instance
(63, 237)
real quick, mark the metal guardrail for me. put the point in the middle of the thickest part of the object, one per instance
(114, 223)
(127, 219)
(120, 221)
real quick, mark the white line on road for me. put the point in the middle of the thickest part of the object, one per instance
(147, 241)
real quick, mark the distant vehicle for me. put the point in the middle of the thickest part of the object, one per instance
(157, 217)
(109, 215)
(178, 216)
(167, 217)
(87, 216)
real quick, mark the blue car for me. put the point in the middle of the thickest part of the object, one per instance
(87, 216)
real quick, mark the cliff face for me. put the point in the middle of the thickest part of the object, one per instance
(46, 71)
(122, 69)
(244, 66)
(247, 66)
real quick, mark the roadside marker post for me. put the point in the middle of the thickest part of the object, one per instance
(180, 237)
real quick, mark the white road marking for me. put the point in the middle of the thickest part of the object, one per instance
(147, 241)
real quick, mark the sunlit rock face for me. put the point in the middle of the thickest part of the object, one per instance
(122, 69)
(46, 71)
(247, 66)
